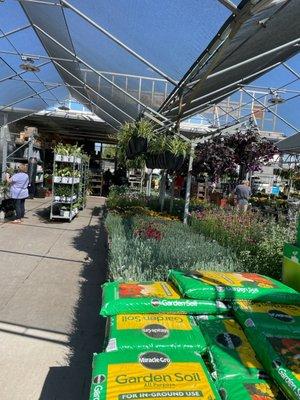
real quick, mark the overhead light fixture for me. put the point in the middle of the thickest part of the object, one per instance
(275, 98)
(28, 65)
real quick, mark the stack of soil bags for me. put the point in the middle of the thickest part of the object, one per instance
(203, 334)
(274, 332)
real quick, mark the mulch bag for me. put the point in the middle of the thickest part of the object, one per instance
(280, 356)
(154, 332)
(151, 375)
(252, 389)
(152, 297)
(230, 353)
(212, 285)
(268, 316)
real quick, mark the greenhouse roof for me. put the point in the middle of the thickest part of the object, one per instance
(129, 58)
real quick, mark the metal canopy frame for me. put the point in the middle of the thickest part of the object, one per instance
(246, 47)
(204, 70)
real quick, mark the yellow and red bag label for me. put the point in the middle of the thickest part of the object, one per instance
(156, 289)
(151, 375)
(140, 321)
(235, 279)
(187, 378)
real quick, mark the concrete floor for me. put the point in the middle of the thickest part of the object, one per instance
(50, 277)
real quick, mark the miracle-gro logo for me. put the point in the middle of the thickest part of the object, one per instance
(154, 360)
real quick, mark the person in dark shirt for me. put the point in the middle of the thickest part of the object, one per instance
(243, 193)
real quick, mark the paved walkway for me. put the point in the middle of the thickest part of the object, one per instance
(50, 277)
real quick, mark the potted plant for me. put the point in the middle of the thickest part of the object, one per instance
(133, 138)
(166, 152)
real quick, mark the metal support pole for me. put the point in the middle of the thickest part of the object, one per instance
(189, 184)
(230, 5)
(149, 181)
(30, 148)
(162, 191)
(172, 193)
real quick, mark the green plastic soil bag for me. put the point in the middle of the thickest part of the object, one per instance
(253, 389)
(212, 285)
(230, 353)
(151, 375)
(268, 316)
(202, 317)
(280, 356)
(154, 332)
(152, 297)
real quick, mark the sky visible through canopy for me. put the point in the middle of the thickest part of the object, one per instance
(160, 47)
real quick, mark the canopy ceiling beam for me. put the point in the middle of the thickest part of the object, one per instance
(271, 111)
(19, 74)
(57, 4)
(101, 109)
(291, 70)
(229, 113)
(262, 71)
(85, 85)
(230, 5)
(22, 28)
(44, 82)
(35, 56)
(26, 98)
(242, 63)
(28, 84)
(264, 94)
(119, 42)
(80, 60)
(194, 70)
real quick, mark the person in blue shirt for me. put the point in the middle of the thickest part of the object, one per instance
(243, 194)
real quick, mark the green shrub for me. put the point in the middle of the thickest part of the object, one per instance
(258, 243)
(121, 199)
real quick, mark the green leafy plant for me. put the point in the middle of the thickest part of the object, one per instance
(257, 242)
(68, 150)
(178, 146)
(144, 248)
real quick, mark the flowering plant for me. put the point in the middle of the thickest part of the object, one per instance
(148, 232)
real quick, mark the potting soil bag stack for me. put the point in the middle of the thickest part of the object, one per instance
(152, 297)
(252, 389)
(280, 355)
(151, 375)
(230, 353)
(269, 317)
(154, 332)
(211, 285)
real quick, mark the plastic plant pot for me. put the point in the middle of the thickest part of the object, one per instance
(58, 157)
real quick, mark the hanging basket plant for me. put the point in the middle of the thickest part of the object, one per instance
(136, 146)
(133, 138)
(166, 152)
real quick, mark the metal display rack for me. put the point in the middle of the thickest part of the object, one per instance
(66, 206)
